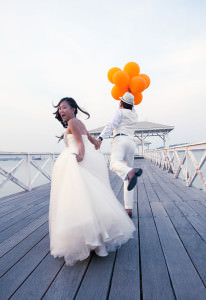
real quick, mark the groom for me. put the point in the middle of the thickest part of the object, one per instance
(123, 126)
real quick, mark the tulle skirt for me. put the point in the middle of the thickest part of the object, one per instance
(84, 213)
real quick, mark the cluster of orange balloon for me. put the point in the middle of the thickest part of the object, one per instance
(128, 80)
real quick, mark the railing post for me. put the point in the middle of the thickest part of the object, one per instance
(28, 171)
(174, 163)
(52, 161)
(186, 165)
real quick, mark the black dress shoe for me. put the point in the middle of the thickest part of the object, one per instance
(138, 172)
(129, 213)
(133, 180)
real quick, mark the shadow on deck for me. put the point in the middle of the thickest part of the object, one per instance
(166, 259)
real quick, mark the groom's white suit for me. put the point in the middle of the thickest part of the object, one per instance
(122, 126)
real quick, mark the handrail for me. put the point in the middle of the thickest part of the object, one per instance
(181, 160)
(27, 160)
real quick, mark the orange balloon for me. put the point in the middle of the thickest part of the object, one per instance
(146, 78)
(132, 69)
(137, 84)
(117, 92)
(121, 79)
(138, 98)
(111, 73)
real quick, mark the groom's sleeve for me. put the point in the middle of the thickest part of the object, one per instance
(108, 129)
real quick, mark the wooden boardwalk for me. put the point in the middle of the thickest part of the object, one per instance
(166, 259)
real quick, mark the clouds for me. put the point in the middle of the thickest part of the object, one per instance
(53, 49)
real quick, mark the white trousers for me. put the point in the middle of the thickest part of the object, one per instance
(122, 160)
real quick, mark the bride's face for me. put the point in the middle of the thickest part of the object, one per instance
(66, 111)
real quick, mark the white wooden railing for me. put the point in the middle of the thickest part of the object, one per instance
(182, 162)
(26, 161)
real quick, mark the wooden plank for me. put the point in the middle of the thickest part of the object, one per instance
(21, 224)
(15, 212)
(196, 220)
(166, 192)
(13, 256)
(162, 195)
(20, 217)
(38, 191)
(180, 191)
(148, 180)
(8, 210)
(154, 274)
(179, 186)
(97, 277)
(20, 271)
(144, 209)
(198, 207)
(172, 208)
(67, 281)
(25, 199)
(22, 234)
(152, 196)
(193, 243)
(155, 277)
(199, 224)
(185, 279)
(12, 209)
(38, 281)
(27, 204)
(125, 282)
(185, 208)
(147, 169)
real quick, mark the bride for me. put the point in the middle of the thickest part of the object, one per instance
(84, 214)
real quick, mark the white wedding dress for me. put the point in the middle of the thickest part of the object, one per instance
(84, 213)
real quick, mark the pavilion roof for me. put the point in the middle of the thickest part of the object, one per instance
(142, 127)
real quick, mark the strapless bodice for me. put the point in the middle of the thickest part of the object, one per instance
(70, 140)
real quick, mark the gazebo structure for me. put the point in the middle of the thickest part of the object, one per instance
(145, 129)
(139, 144)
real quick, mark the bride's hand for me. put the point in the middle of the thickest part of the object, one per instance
(96, 144)
(79, 157)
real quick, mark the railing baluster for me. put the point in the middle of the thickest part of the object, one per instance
(170, 159)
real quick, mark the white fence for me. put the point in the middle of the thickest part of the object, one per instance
(25, 169)
(182, 161)
(26, 161)
(186, 162)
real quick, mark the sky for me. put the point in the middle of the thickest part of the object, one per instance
(52, 49)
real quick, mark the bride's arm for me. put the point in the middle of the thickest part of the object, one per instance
(93, 140)
(75, 129)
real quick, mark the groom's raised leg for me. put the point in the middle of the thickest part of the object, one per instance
(132, 177)
(128, 199)
(117, 162)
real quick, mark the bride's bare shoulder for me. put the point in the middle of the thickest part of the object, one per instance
(75, 123)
